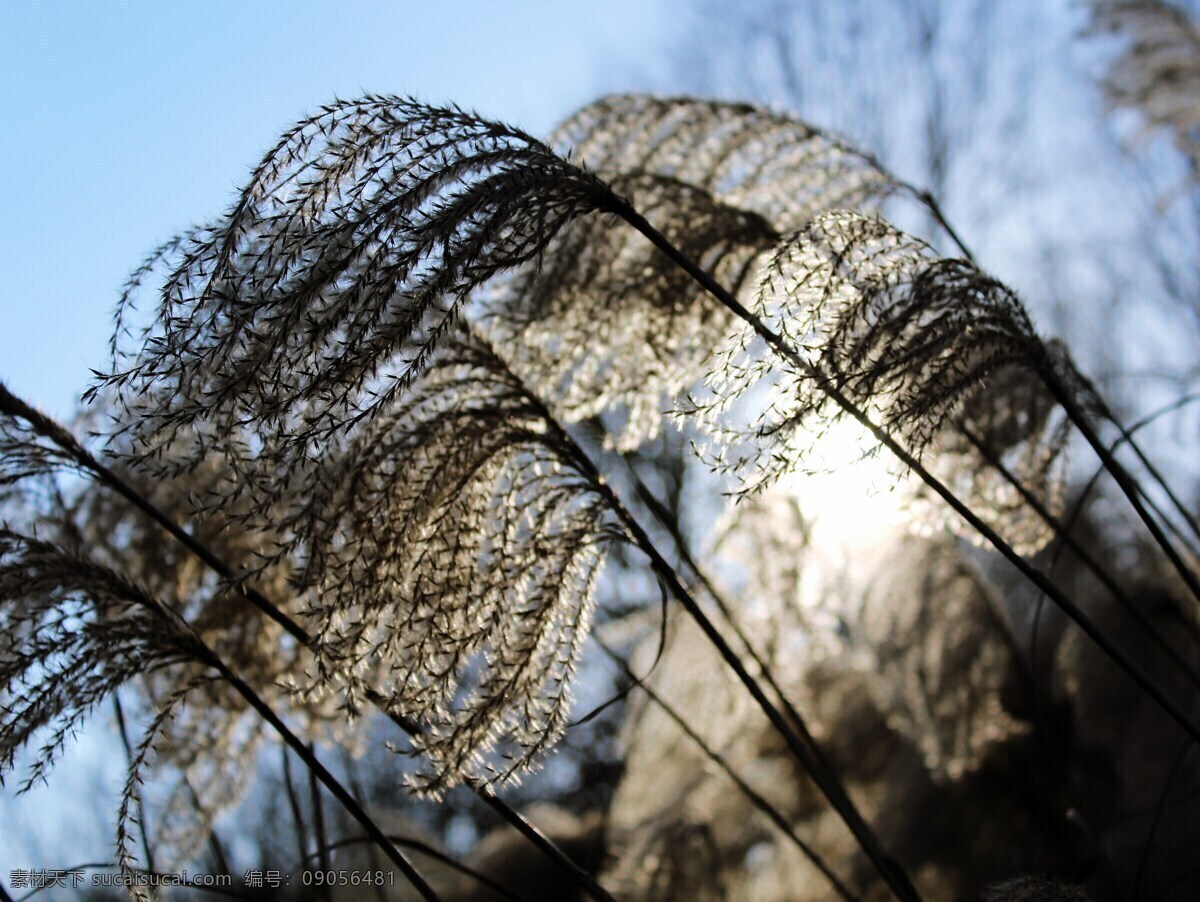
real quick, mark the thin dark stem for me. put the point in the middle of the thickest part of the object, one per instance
(327, 779)
(1168, 523)
(294, 803)
(314, 793)
(137, 798)
(1088, 559)
(663, 516)
(1157, 476)
(798, 738)
(1120, 475)
(67, 442)
(1077, 510)
(801, 743)
(745, 788)
(88, 462)
(1180, 757)
(1177, 404)
(205, 655)
(356, 788)
(541, 841)
(1126, 437)
(789, 354)
(935, 209)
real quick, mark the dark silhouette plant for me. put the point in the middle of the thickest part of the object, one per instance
(359, 408)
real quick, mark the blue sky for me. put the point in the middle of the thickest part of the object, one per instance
(127, 121)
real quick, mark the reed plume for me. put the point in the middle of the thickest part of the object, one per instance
(358, 391)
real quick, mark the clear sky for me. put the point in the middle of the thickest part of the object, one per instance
(128, 121)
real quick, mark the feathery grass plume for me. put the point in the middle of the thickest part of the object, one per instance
(746, 157)
(25, 454)
(74, 631)
(71, 632)
(906, 336)
(206, 757)
(1012, 421)
(319, 296)
(453, 552)
(444, 534)
(607, 321)
(206, 751)
(1158, 73)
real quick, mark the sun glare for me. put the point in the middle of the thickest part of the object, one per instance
(849, 493)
